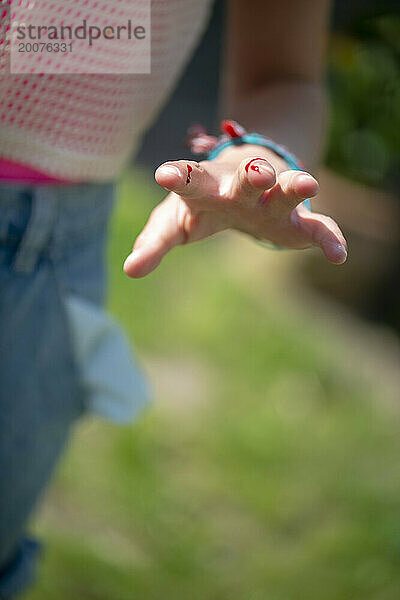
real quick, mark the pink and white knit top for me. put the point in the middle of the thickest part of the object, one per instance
(85, 127)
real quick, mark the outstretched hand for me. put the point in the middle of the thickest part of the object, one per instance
(249, 189)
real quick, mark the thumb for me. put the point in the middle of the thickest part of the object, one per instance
(161, 233)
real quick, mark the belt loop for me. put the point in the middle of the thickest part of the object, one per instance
(38, 231)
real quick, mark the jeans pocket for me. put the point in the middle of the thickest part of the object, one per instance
(112, 384)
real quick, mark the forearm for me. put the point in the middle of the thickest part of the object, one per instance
(292, 113)
(274, 71)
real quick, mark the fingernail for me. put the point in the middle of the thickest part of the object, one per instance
(341, 250)
(263, 167)
(129, 260)
(170, 170)
(305, 178)
(307, 184)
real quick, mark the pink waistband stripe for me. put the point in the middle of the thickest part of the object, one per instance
(14, 172)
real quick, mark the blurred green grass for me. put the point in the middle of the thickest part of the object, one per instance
(283, 485)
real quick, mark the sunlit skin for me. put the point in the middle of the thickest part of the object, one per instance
(247, 194)
(272, 84)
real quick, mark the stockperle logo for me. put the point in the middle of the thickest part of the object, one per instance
(55, 36)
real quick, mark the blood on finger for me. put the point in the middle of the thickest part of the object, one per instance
(253, 167)
(189, 170)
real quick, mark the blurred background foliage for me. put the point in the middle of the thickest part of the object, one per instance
(364, 85)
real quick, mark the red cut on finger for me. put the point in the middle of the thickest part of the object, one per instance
(254, 167)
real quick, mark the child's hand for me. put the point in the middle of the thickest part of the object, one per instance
(247, 188)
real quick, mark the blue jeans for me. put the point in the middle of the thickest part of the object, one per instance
(51, 244)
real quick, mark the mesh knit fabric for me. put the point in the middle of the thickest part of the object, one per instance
(84, 127)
